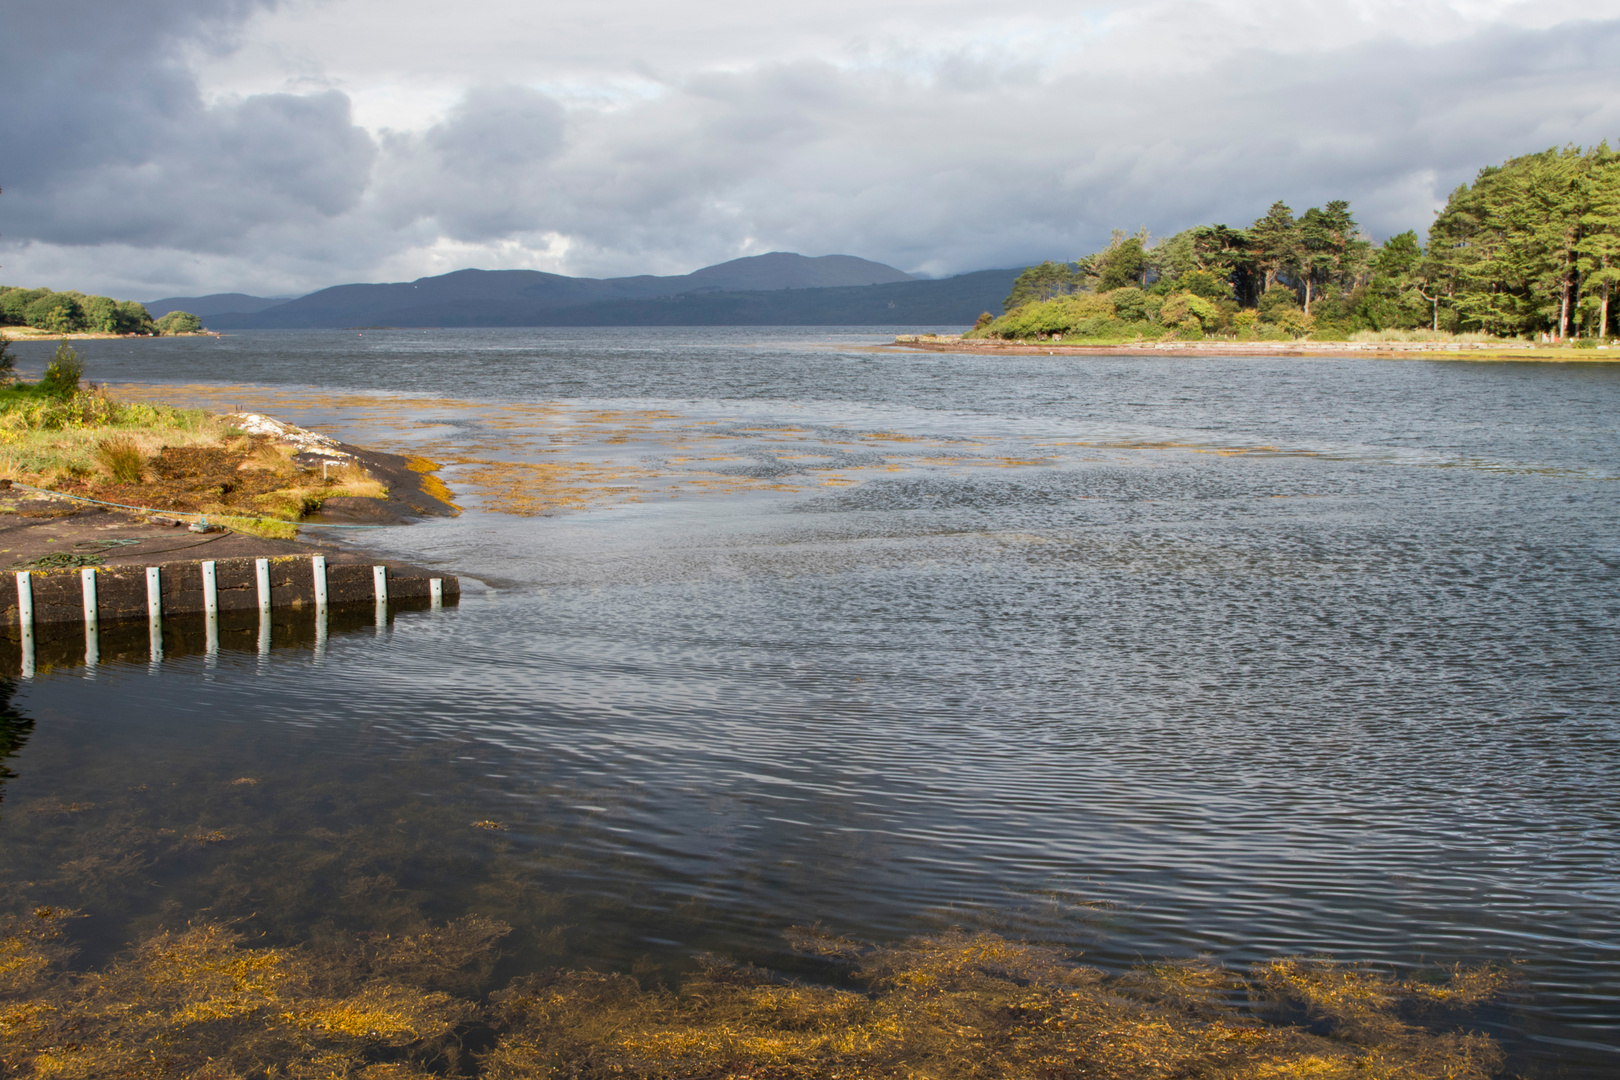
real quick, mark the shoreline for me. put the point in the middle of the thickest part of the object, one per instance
(82, 554)
(29, 333)
(1380, 350)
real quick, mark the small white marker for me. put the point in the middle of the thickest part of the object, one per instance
(25, 603)
(154, 615)
(92, 643)
(379, 578)
(261, 576)
(210, 590)
(436, 592)
(87, 578)
(317, 567)
(25, 621)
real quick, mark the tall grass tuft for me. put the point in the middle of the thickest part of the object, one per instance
(122, 458)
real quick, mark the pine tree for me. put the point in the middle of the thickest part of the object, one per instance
(1599, 248)
(1275, 241)
(1331, 251)
(1042, 282)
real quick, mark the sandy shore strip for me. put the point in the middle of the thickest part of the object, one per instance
(1386, 350)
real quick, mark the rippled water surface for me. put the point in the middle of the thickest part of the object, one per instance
(1149, 657)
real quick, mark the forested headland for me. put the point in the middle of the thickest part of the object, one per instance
(1530, 249)
(76, 313)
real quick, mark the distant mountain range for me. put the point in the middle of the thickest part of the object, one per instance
(215, 304)
(780, 288)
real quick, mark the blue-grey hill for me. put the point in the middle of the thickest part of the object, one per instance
(780, 288)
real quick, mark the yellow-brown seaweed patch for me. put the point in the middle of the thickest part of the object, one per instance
(200, 1002)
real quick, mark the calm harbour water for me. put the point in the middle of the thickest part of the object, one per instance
(1146, 656)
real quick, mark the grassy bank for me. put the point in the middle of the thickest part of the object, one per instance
(76, 439)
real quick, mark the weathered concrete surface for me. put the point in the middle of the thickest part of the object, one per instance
(121, 590)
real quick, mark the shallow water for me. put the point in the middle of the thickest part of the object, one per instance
(1148, 657)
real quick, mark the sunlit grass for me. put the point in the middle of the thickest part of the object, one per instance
(156, 456)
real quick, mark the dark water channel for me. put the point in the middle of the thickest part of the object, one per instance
(1268, 656)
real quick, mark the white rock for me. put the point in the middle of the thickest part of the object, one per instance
(306, 441)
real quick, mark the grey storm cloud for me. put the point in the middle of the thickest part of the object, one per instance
(122, 171)
(483, 172)
(110, 141)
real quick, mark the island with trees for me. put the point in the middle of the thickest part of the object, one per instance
(47, 313)
(1529, 253)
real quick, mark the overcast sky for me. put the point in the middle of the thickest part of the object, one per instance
(159, 147)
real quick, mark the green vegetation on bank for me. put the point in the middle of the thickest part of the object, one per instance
(65, 435)
(1530, 249)
(75, 313)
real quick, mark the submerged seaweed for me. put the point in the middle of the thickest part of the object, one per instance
(335, 927)
(200, 1003)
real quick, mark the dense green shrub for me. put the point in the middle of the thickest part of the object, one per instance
(108, 316)
(178, 322)
(1204, 284)
(1130, 313)
(62, 374)
(1130, 304)
(57, 312)
(14, 304)
(1183, 307)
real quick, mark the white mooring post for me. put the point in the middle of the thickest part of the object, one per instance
(25, 621)
(210, 590)
(154, 613)
(92, 643)
(261, 578)
(87, 578)
(436, 592)
(317, 569)
(210, 613)
(379, 578)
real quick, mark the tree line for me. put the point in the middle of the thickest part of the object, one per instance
(1531, 247)
(74, 312)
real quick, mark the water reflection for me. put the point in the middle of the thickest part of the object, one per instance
(52, 646)
(14, 731)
